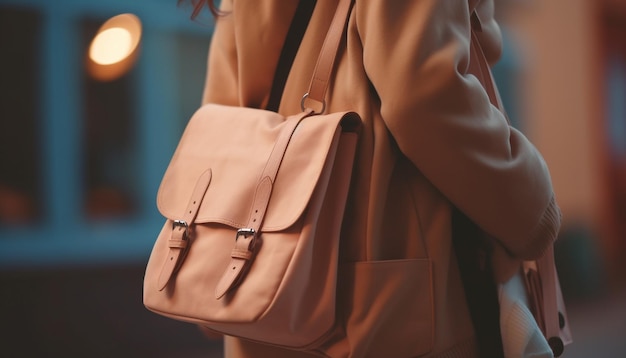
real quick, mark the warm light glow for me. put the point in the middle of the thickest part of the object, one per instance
(111, 46)
(113, 50)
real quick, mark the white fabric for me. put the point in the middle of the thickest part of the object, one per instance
(521, 336)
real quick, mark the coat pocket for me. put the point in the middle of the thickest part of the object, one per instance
(388, 307)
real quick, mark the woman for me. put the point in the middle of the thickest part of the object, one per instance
(431, 142)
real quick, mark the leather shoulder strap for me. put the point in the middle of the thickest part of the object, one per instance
(327, 56)
(472, 5)
(478, 63)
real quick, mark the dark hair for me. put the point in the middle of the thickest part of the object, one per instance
(199, 4)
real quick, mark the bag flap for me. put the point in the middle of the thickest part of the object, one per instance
(235, 143)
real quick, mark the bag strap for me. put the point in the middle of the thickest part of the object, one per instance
(246, 237)
(549, 300)
(327, 57)
(479, 66)
(245, 241)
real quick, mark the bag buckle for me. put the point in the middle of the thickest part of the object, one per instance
(245, 232)
(181, 224)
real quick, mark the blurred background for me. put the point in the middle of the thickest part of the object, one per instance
(95, 94)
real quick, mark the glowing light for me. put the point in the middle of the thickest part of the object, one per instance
(111, 46)
(113, 51)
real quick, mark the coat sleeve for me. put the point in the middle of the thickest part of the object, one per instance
(416, 54)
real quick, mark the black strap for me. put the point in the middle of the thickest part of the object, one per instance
(294, 37)
(473, 256)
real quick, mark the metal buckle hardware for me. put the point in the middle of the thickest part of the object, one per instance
(181, 224)
(303, 104)
(245, 232)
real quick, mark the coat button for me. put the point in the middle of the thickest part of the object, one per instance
(561, 320)
(556, 344)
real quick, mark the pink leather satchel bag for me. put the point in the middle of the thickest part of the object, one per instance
(254, 203)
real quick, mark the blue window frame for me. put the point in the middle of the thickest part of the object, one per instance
(172, 57)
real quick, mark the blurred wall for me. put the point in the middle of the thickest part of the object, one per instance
(564, 86)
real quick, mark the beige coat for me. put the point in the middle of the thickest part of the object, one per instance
(431, 140)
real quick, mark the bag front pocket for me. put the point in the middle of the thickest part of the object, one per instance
(388, 307)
